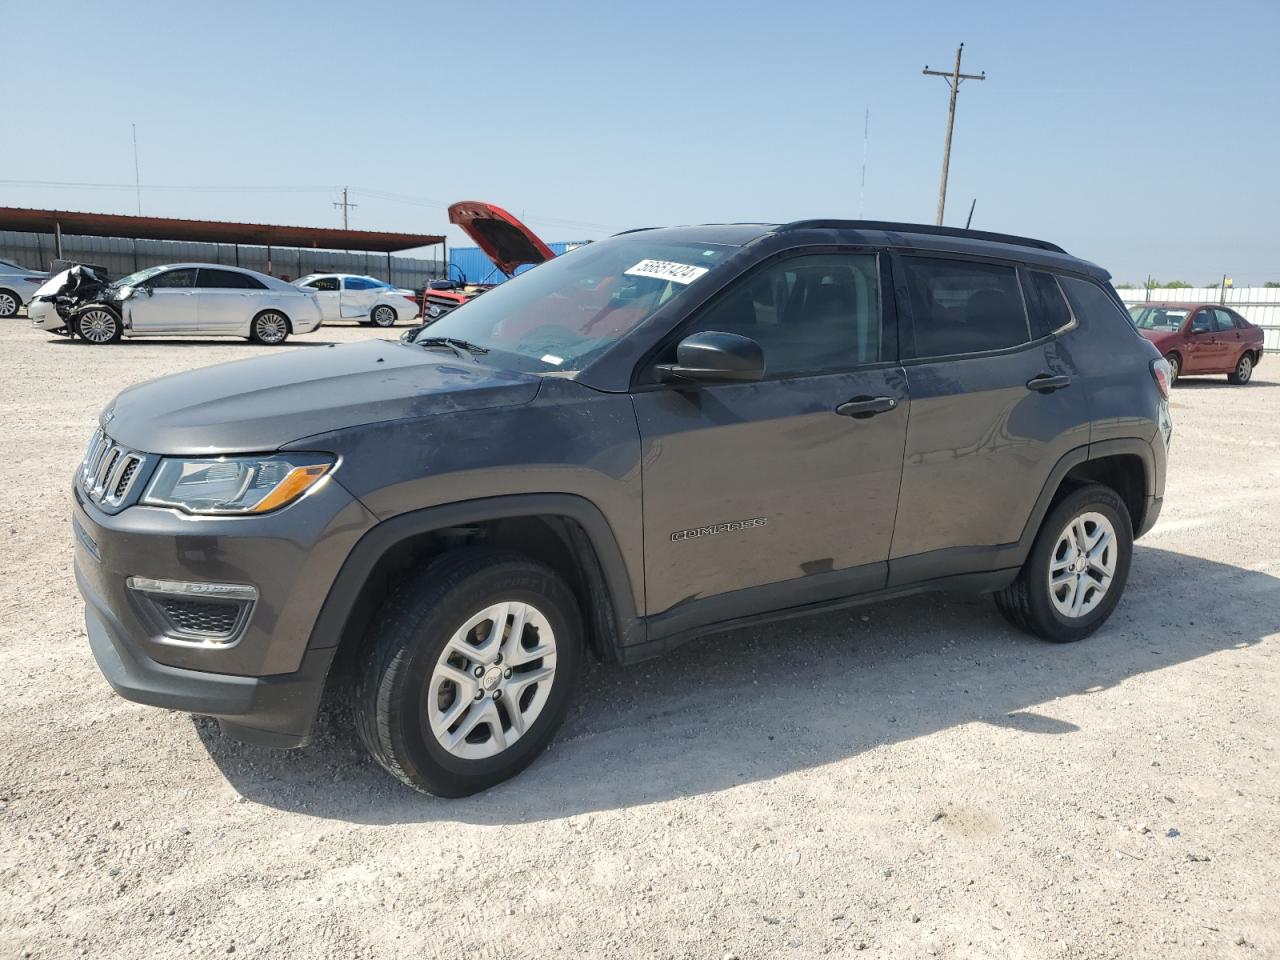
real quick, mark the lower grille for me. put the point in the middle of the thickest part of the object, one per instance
(210, 617)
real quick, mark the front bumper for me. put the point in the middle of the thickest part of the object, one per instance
(44, 315)
(266, 685)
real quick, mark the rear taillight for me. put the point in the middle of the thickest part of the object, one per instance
(1162, 373)
(412, 298)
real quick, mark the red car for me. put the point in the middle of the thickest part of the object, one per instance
(1201, 338)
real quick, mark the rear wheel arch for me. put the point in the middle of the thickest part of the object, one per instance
(565, 532)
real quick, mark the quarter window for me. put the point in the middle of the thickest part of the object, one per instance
(1048, 307)
(959, 306)
(184, 278)
(810, 315)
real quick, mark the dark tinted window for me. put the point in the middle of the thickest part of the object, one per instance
(810, 315)
(1089, 301)
(228, 280)
(963, 307)
(1224, 322)
(323, 283)
(185, 278)
(1049, 310)
(358, 283)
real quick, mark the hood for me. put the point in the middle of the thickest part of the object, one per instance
(261, 404)
(1159, 336)
(504, 239)
(78, 280)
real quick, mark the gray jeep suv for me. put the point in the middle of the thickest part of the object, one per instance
(662, 434)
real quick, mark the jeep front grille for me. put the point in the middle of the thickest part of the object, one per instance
(109, 470)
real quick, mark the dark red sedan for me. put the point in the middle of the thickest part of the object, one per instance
(1201, 338)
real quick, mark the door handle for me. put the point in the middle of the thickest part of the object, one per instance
(862, 407)
(1047, 383)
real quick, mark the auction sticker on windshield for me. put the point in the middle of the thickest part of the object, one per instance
(666, 270)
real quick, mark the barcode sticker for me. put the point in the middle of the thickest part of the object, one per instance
(666, 270)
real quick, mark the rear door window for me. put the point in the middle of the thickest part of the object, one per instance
(962, 306)
(358, 283)
(1223, 322)
(227, 280)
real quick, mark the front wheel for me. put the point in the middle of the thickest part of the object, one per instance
(1076, 570)
(98, 325)
(469, 671)
(1243, 372)
(383, 316)
(270, 327)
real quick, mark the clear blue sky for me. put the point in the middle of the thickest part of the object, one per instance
(1145, 136)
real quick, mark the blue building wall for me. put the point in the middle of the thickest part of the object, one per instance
(471, 264)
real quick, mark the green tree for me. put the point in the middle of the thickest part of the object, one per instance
(1272, 283)
(1176, 285)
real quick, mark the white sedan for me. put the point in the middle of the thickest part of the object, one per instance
(180, 299)
(17, 286)
(346, 296)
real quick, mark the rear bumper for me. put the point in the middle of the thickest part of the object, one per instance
(275, 711)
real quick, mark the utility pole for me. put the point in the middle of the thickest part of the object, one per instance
(137, 177)
(345, 207)
(954, 79)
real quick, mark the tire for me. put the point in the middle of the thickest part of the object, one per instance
(270, 327)
(383, 316)
(98, 325)
(1243, 372)
(9, 303)
(1175, 367)
(413, 675)
(1031, 604)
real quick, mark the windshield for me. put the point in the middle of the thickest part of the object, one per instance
(562, 312)
(1158, 318)
(133, 279)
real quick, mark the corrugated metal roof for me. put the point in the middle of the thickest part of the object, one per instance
(209, 231)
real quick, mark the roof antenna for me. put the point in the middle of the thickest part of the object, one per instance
(971, 206)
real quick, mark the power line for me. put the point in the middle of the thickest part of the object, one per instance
(954, 79)
(185, 188)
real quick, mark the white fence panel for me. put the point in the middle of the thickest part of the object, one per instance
(1260, 305)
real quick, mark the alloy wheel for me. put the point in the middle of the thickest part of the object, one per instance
(271, 328)
(1082, 565)
(1244, 369)
(97, 326)
(492, 680)
(8, 305)
(384, 316)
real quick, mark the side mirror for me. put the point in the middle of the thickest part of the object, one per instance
(1199, 328)
(714, 357)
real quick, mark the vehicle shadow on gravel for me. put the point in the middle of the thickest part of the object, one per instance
(1192, 381)
(193, 342)
(761, 702)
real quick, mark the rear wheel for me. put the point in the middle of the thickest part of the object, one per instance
(1175, 367)
(98, 325)
(1243, 372)
(270, 327)
(9, 303)
(1076, 570)
(383, 316)
(469, 671)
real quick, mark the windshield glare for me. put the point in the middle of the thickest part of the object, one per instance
(1158, 318)
(561, 313)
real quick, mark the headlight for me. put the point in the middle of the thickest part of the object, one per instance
(235, 485)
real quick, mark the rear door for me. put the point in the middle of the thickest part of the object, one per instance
(1230, 340)
(764, 495)
(994, 406)
(166, 303)
(228, 300)
(1200, 345)
(358, 295)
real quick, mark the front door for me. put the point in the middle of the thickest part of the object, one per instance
(995, 403)
(166, 303)
(1202, 348)
(328, 291)
(776, 493)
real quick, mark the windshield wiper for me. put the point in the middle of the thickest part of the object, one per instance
(467, 351)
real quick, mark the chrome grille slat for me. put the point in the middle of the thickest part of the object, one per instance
(109, 471)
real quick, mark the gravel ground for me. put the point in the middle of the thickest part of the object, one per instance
(913, 779)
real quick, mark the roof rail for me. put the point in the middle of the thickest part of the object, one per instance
(921, 228)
